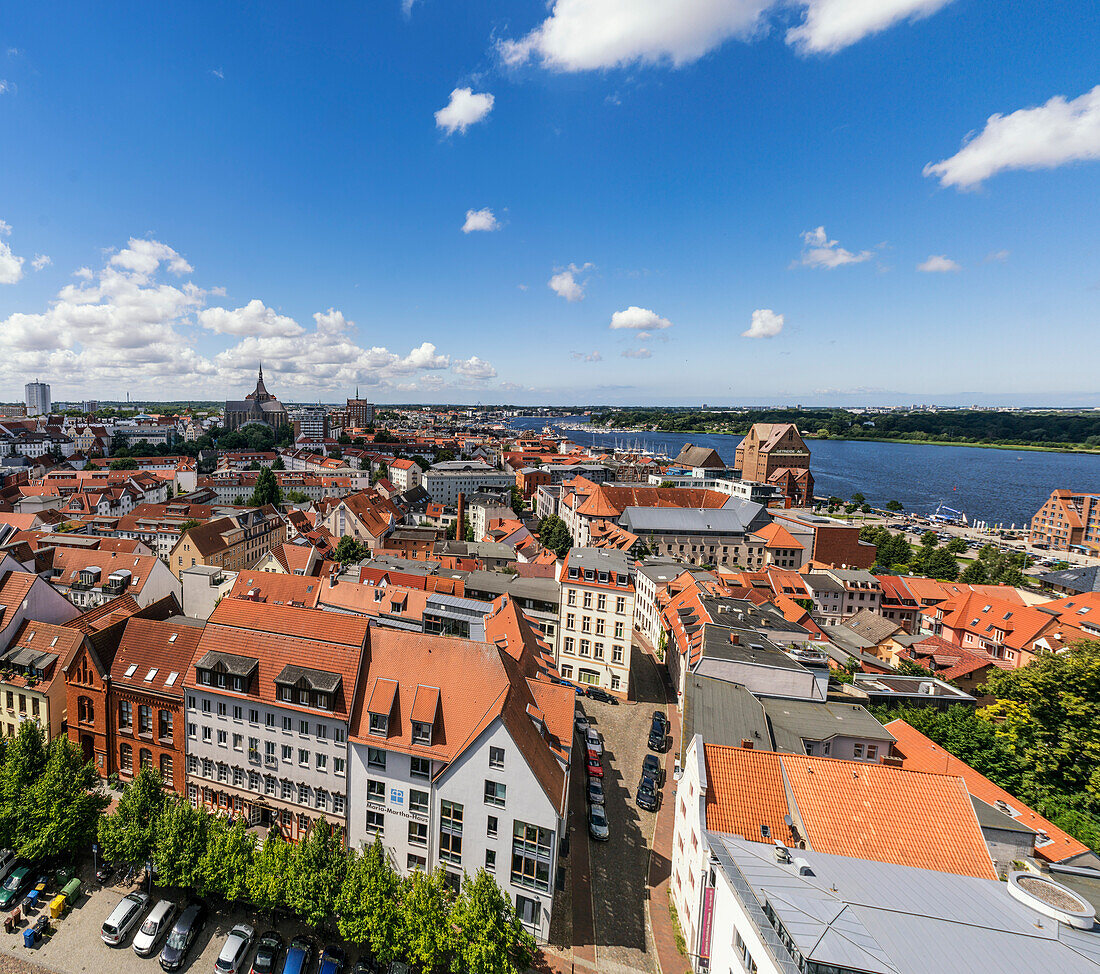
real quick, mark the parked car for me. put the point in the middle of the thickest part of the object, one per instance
(398, 967)
(14, 887)
(595, 769)
(106, 870)
(597, 823)
(156, 925)
(579, 691)
(595, 791)
(237, 945)
(7, 862)
(184, 933)
(269, 951)
(658, 732)
(582, 722)
(596, 693)
(123, 918)
(592, 742)
(367, 965)
(651, 768)
(298, 956)
(333, 960)
(646, 794)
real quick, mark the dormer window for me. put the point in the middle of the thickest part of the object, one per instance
(380, 724)
(422, 732)
(286, 694)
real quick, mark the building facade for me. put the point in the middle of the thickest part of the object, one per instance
(38, 398)
(775, 453)
(259, 406)
(1068, 520)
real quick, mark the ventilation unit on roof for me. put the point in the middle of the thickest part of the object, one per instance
(927, 688)
(782, 854)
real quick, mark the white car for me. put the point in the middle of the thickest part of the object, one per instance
(157, 923)
(123, 918)
(235, 952)
(592, 741)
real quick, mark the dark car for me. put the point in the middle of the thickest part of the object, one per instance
(367, 965)
(595, 791)
(333, 960)
(658, 732)
(646, 794)
(184, 933)
(651, 768)
(17, 883)
(269, 951)
(298, 956)
(595, 693)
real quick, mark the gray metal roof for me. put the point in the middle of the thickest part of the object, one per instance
(993, 818)
(751, 647)
(890, 919)
(723, 713)
(737, 518)
(1075, 579)
(601, 559)
(793, 721)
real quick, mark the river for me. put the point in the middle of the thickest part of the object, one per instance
(998, 486)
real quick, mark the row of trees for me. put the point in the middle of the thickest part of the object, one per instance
(1039, 739)
(418, 919)
(931, 559)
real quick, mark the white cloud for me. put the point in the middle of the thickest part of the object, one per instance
(474, 368)
(407, 7)
(11, 266)
(480, 220)
(586, 35)
(586, 357)
(5, 228)
(40, 261)
(819, 251)
(218, 73)
(6, 86)
(765, 324)
(637, 353)
(998, 256)
(641, 319)
(831, 25)
(145, 256)
(1050, 135)
(255, 318)
(463, 110)
(124, 328)
(83, 272)
(939, 264)
(565, 284)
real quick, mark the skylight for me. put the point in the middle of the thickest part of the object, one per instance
(131, 669)
(172, 638)
(171, 678)
(149, 676)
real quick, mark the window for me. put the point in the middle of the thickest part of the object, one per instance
(269, 720)
(601, 602)
(597, 651)
(269, 752)
(288, 724)
(253, 716)
(303, 757)
(238, 742)
(125, 715)
(496, 757)
(492, 827)
(288, 791)
(416, 862)
(857, 751)
(126, 758)
(379, 724)
(586, 623)
(418, 833)
(337, 803)
(586, 649)
(166, 768)
(303, 725)
(616, 654)
(490, 861)
(570, 621)
(376, 822)
(494, 793)
(588, 600)
(288, 753)
(620, 604)
(270, 785)
(571, 597)
(338, 766)
(223, 773)
(418, 801)
(450, 832)
(618, 630)
(192, 764)
(322, 763)
(376, 790)
(567, 645)
(223, 709)
(145, 719)
(222, 739)
(207, 768)
(420, 768)
(303, 794)
(164, 720)
(238, 713)
(421, 732)
(321, 799)
(322, 732)
(238, 777)
(872, 752)
(376, 758)
(338, 735)
(531, 856)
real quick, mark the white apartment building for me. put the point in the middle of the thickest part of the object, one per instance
(405, 474)
(459, 759)
(445, 481)
(268, 700)
(37, 398)
(597, 618)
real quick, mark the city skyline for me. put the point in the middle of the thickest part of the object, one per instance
(747, 202)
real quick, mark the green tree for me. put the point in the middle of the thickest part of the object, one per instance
(519, 505)
(368, 908)
(224, 867)
(268, 874)
(957, 546)
(975, 574)
(858, 498)
(426, 937)
(349, 550)
(61, 808)
(317, 873)
(128, 834)
(894, 506)
(24, 761)
(180, 843)
(278, 463)
(296, 497)
(489, 938)
(553, 534)
(1048, 715)
(929, 539)
(940, 564)
(123, 463)
(267, 490)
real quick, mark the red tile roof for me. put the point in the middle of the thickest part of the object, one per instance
(848, 808)
(276, 588)
(152, 653)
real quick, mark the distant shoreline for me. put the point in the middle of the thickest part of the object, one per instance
(869, 439)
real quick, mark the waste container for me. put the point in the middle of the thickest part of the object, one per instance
(30, 937)
(31, 899)
(71, 888)
(57, 905)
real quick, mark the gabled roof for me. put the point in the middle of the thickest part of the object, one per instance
(849, 808)
(153, 656)
(919, 753)
(14, 588)
(44, 646)
(277, 588)
(872, 626)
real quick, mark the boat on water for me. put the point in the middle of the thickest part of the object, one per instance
(948, 515)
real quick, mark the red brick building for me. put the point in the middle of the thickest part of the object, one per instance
(1068, 520)
(775, 453)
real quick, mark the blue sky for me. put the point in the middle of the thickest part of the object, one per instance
(205, 179)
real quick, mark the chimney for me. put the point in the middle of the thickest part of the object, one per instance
(746, 743)
(892, 761)
(461, 512)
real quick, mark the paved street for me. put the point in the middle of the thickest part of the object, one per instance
(614, 920)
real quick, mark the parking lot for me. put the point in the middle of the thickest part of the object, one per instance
(618, 867)
(75, 947)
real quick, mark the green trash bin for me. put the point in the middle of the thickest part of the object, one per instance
(71, 890)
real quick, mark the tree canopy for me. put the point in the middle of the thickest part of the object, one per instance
(267, 490)
(553, 534)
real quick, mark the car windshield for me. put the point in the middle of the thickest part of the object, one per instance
(149, 927)
(13, 881)
(178, 937)
(598, 816)
(265, 953)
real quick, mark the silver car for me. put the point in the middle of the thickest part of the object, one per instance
(235, 952)
(597, 823)
(124, 918)
(592, 740)
(157, 923)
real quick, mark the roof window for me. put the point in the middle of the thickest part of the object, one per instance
(131, 669)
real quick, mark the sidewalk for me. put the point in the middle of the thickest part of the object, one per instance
(669, 959)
